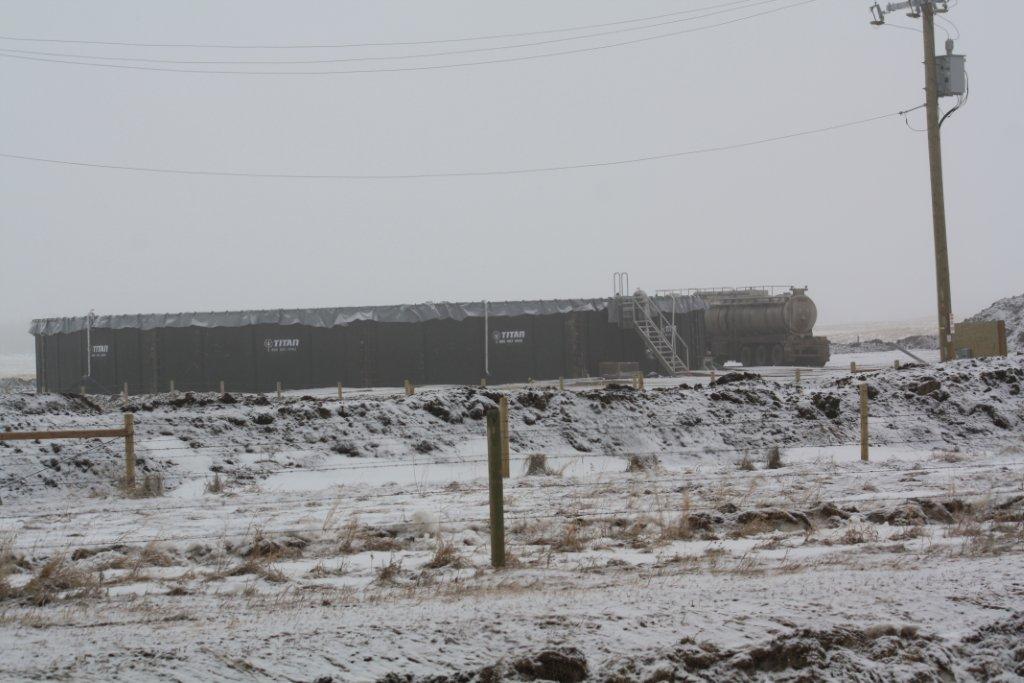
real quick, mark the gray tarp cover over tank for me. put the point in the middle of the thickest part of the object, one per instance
(340, 317)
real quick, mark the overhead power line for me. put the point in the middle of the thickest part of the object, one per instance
(378, 58)
(501, 60)
(452, 174)
(409, 43)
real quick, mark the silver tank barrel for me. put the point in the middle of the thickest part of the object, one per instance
(788, 314)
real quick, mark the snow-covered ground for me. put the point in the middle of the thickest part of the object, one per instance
(309, 538)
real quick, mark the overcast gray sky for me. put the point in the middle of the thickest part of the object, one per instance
(846, 213)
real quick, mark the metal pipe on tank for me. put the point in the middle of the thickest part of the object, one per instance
(487, 342)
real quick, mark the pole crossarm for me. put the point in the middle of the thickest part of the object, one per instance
(878, 14)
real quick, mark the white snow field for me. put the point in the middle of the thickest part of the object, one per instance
(312, 539)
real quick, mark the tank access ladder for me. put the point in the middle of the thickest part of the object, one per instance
(641, 313)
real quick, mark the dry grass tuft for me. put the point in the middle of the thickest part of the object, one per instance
(637, 533)
(322, 571)
(215, 485)
(752, 527)
(774, 459)
(274, 575)
(55, 577)
(354, 538)
(8, 562)
(446, 555)
(682, 528)
(259, 567)
(388, 573)
(908, 533)
(152, 487)
(153, 555)
(330, 519)
(348, 535)
(266, 549)
(948, 456)
(642, 463)
(572, 539)
(537, 465)
(856, 534)
(745, 464)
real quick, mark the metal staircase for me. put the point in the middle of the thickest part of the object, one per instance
(642, 313)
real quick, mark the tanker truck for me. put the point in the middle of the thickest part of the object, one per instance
(763, 326)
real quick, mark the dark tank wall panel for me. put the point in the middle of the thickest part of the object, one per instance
(327, 356)
(452, 351)
(228, 358)
(103, 360)
(181, 359)
(282, 354)
(398, 354)
(40, 357)
(149, 361)
(127, 350)
(253, 351)
(512, 349)
(71, 351)
(360, 354)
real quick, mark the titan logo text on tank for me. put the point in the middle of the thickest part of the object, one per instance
(100, 350)
(509, 336)
(278, 345)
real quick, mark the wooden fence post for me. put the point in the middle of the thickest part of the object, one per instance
(409, 388)
(561, 384)
(712, 376)
(340, 396)
(82, 389)
(129, 451)
(506, 464)
(172, 386)
(279, 391)
(483, 381)
(222, 387)
(124, 394)
(896, 364)
(853, 366)
(640, 381)
(798, 376)
(864, 422)
(495, 488)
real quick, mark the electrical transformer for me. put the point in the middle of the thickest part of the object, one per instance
(951, 73)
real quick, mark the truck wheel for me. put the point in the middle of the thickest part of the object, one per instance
(777, 354)
(746, 356)
(762, 355)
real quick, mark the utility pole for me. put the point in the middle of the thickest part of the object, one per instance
(931, 89)
(953, 84)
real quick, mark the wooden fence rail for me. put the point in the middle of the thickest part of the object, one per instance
(127, 433)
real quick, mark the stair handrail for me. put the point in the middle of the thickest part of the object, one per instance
(646, 304)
